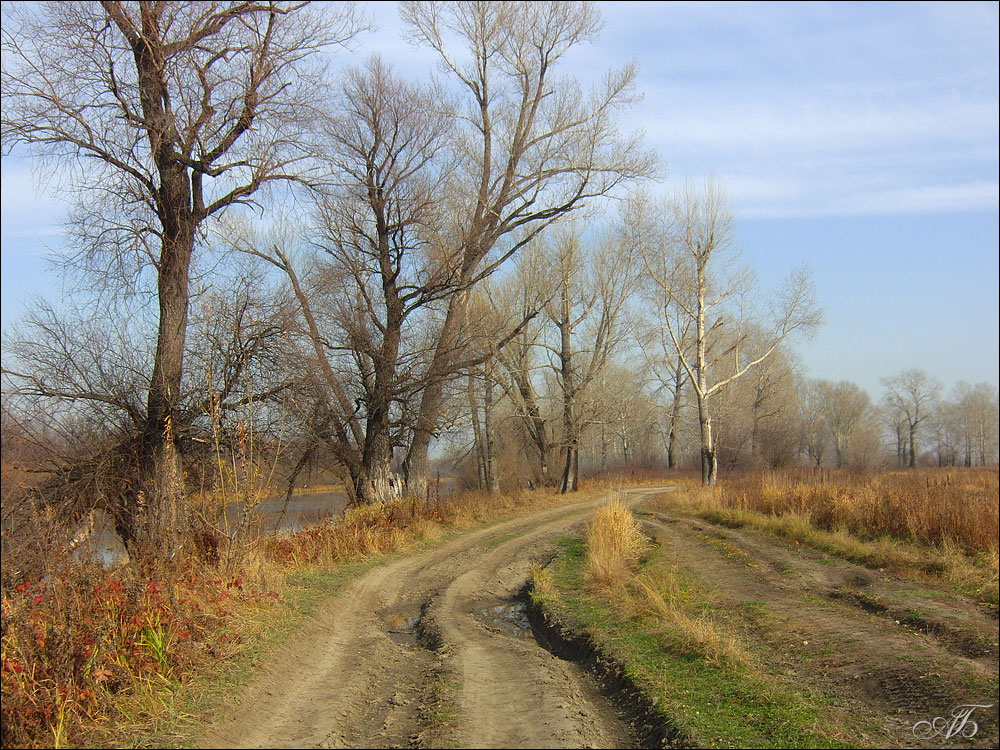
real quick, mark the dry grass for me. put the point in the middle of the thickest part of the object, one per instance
(615, 545)
(687, 633)
(937, 523)
(614, 548)
(932, 506)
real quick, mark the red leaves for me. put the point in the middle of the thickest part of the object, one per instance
(102, 674)
(76, 642)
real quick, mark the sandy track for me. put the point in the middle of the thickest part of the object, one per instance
(361, 675)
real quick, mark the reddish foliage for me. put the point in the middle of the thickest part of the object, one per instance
(68, 654)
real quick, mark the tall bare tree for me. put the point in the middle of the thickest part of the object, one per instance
(170, 113)
(532, 147)
(377, 268)
(911, 394)
(587, 315)
(704, 284)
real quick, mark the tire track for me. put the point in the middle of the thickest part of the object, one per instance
(347, 681)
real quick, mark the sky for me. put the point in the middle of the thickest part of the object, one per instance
(859, 139)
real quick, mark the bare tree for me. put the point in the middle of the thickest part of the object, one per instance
(532, 148)
(171, 113)
(660, 353)
(976, 412)
(704, 284)
(377, 268)
(911, 395)
(813, 434)
(843, 407)
(587, 314)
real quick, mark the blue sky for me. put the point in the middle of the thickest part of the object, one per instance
(859, 139)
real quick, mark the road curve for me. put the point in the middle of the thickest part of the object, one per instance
(430, 649)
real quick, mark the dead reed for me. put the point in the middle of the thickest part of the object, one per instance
(943, 507)
(614, 545)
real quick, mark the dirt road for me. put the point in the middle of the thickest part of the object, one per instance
(433, 649)
(429, 650)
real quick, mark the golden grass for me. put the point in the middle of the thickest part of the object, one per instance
(957, 507)
(939, 524)
(615, 545)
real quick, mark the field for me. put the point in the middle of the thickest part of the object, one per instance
(773, 596)
(802, 609)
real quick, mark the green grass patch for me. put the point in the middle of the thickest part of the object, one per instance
(505, 538)
(713, 704)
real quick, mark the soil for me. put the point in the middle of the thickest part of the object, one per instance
(890, 653)
(436, 648)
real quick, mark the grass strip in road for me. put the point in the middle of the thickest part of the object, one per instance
(698, 677)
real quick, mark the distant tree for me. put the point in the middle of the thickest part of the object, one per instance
(704, 283)
(974, 409)
(910, 395)
(813, 433)
(843, 406)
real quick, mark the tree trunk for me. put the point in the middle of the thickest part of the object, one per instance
(492, 480)
(709, 460)
(415, 464)
(534, 424)
(374, 483)
(675, 414)
(477, 437)
(570, 479)
(160, 461)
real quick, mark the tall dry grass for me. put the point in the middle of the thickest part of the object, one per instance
(946, 507)
(939, 525)
(614, 546)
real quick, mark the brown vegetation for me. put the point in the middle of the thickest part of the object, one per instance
(941, 507)
(89, 652)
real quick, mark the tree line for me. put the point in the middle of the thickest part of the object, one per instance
(339, 266)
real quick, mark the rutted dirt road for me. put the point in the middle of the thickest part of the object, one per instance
(431, 649)
(434, 649)
(890, 653)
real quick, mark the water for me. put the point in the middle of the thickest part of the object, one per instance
(303, 509)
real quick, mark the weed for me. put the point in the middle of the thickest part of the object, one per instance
(615, 545)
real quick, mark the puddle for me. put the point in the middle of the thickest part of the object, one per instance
(402, 629)
(510, 619)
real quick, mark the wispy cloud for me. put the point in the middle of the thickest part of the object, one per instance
(817, 109)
